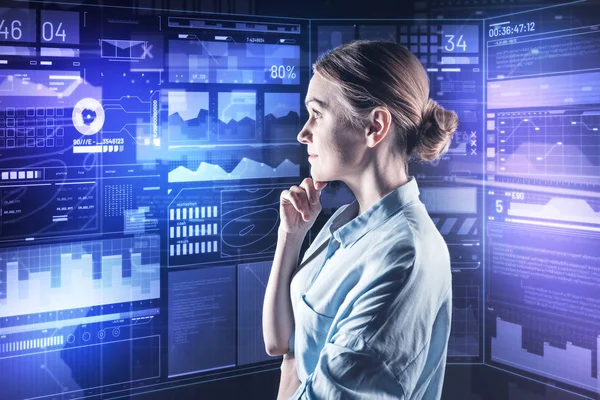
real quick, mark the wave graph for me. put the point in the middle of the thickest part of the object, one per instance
(237, 116)
(246, 169)
(565, 209)
(188, 117)
(282, 116)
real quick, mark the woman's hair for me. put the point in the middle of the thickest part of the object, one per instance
(371, 73)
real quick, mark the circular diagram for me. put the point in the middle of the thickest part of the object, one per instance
(88, 116)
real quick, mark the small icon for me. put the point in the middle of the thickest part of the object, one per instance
(88, 116)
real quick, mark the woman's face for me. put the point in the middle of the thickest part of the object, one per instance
(335, 143)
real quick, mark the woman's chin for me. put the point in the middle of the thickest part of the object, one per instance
(315, 175)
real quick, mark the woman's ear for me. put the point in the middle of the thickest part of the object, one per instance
(380, 120)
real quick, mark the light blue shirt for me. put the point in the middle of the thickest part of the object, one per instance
(372, 313)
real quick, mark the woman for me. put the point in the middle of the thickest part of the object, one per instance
(371, 301)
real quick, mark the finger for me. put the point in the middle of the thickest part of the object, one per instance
(292, 197)
(287, 196)
(302, 198)
(311, 192)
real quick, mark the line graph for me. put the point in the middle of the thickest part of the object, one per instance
(557, 146)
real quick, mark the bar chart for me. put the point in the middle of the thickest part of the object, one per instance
(43, 278)
(572, 364)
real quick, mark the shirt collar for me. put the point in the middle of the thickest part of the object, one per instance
(348, 227)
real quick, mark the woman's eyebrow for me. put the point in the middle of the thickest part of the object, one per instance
(322, 103)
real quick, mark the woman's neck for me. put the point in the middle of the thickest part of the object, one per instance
(375, 182)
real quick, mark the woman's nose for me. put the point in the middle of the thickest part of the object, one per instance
(303, 135)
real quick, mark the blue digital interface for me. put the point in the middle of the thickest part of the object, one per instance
(542, 167)
(142, 158)
(141, 162)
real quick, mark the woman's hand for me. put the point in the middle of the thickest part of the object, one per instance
(300, 206)
(289, 382)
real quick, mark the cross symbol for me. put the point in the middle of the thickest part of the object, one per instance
(147, 49)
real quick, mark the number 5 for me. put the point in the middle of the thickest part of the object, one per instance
(499, 206)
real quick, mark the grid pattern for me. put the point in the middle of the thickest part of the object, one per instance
(464, 336)
(31, 127)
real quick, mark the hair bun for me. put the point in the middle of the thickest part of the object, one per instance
(435, 132)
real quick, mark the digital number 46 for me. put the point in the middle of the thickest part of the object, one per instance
(15, 29)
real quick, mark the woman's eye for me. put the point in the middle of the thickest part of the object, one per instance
(316, 114)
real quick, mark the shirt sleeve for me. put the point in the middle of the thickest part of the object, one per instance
(347, 373)
(348, 367)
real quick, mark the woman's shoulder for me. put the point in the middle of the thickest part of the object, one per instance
(408, 239)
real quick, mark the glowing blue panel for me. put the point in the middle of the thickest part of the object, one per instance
(252, 284)
(79, 274)
(188, 117)
(237, 116)
(18, 25)
(197, 61)
(282, 117)
(60, 27)
(201, 320)
(458, 39)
